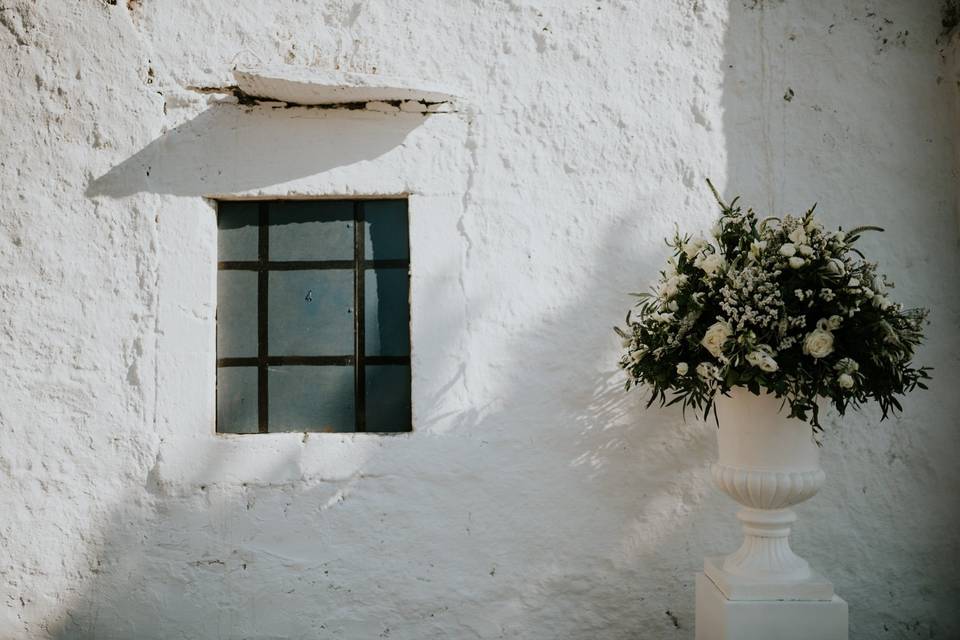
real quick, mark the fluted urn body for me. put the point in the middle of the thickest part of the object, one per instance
(767, 463)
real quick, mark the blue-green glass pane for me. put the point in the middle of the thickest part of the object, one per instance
(236, 314)
(311, 399)
(385, 230)
(310, 313)
(311, 230)
(238, 231)
(387, 312)
(387, 394)
(237, 400)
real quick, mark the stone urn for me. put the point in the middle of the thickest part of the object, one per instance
(767, 463)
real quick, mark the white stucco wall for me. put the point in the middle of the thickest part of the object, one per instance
(534, 499)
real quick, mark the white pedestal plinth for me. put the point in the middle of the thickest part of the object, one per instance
(720, 619)
(815, 587)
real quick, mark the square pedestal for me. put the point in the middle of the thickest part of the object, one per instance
(816, 587)
(720, 619)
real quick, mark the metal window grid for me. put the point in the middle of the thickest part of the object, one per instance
(263, 266)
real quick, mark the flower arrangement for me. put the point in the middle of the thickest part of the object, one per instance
(780, 304)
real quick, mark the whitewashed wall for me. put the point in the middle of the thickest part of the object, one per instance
(534, 499)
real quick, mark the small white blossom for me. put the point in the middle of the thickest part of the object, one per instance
(881, 302)
(682, 368)
(693, 247)
(671, 286)
(756, 248)
(707, 371)
(797, 236)
(853, 282)
(836, 266)
(833, 322)
(847, 365)
(762, 359)
(710, 263)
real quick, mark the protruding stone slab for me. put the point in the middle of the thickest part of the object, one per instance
(815, 588)
(309, 86)
(718, 618)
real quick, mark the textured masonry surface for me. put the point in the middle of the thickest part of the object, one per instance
(534, 499)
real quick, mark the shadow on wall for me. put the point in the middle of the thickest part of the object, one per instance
(841, 103)
(460, 543)
(264, 145)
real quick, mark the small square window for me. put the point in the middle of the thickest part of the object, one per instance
(313, 316)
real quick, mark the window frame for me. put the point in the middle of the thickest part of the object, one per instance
(358, 360)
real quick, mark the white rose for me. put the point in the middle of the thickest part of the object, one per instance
(693, 247)
(806, 250)
(716, 335)
(845, 380)
(710, 263)
(818, 343)
(833, 322)
(797, 236)
(796, 263)
(682, 369)
(787, 250)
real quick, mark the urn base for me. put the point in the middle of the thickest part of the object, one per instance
(719, 618)
(741, 588)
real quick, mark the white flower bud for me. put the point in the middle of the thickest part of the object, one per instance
(845, 380)
(682, 369)
(796, 263)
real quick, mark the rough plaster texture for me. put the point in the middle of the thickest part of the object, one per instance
(534, 499)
